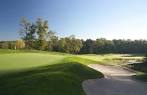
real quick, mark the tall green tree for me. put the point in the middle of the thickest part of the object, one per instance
(32, 36)
(52, 41)
(88, 46)
(72, 45)
(42, 30)
(61, 45)
(27, 32)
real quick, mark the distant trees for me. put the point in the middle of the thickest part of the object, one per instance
(5, 45)
(113, 46)
(88, 46)
(74, 45)
(71, 44)
(12, 45)
(104, 46)
(67, 44)
(34, 33)
(37, 35)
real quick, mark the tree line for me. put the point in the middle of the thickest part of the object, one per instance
(103, 45)
(37, 35)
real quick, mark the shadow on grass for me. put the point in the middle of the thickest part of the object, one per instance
(59, 79)
(142, 68)
(142, 77)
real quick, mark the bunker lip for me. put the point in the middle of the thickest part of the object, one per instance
(117, 81)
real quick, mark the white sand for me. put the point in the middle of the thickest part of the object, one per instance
(117, 81)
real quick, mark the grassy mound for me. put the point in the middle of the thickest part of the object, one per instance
(142, 77)
(112, 59)
(142, 68)
(80, 60)
(58, 79)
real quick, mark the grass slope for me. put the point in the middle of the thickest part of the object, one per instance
(59, 79)
(142, 68)
(25, 72)
(141, 76)
(112, 59)
(43, 73)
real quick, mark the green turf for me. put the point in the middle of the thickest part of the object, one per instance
(142, 71)
(8, 51)
(43, 73)
(80, 60)
(141, 76)
(112, 59)
(59, 79)
(16, 61)
(32, 72)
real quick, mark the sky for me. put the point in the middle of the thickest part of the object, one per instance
(111, 19)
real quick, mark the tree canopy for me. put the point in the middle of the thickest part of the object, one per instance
(38, 35)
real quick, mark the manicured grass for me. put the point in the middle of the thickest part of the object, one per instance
(31, 72)
(19, 61)
(59, 79)
(43, 73)
(8, 51)
(112, 59)
(80, 60)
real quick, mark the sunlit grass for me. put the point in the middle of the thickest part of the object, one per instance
(27, 60)
(39, 73)
(112, 59)
(31, 72)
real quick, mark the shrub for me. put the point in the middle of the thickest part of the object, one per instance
(20, 44)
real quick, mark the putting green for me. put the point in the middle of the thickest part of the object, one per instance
(16, 61)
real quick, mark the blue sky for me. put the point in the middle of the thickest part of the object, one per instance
(111, 19)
